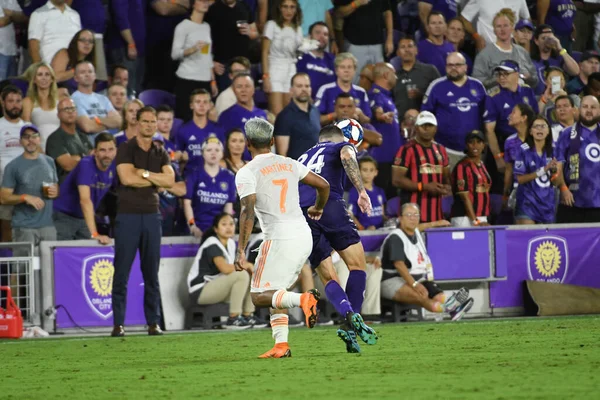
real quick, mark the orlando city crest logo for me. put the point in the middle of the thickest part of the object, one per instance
(97, 280)
(548, 259)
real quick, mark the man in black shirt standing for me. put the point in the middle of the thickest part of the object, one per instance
(364, 20)
(142, 168)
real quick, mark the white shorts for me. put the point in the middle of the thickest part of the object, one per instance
(279, 263)
(281, 73)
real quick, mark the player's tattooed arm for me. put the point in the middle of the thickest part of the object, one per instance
(348, 156)
(246, 220)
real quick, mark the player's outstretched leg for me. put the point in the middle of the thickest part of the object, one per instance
(364, 331)
(279, 326)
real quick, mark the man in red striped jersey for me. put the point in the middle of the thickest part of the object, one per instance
(471, 185)
(421, 170)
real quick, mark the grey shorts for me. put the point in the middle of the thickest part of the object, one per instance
(6, 212)
(70, 228)
(32, 235)
(390, 286)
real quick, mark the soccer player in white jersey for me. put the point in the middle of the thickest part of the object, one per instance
(268, 187)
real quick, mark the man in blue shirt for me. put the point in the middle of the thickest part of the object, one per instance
(458, 102)
(318, 63)
(386, 122)
(83, 190)
(297, 126)
(578, 149)
(345, 69)
(499, 104)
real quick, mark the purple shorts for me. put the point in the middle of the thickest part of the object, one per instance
(334, 231)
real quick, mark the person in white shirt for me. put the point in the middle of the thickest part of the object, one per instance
(268, 188)
(238, 65)
(95, 113)
(483, 11)
(10, 12)
(51, 28)
(10, 145)
(192, 46)
(281, 39)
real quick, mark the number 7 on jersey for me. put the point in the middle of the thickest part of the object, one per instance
(283, 194)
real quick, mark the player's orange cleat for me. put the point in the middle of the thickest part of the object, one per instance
(280, 350)
(308, 303)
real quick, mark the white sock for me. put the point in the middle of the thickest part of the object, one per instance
(279, 325)
(284, 299)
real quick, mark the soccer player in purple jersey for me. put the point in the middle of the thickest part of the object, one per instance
(333, 158)
(534, 166)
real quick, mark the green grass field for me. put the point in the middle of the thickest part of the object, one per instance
(557, 358)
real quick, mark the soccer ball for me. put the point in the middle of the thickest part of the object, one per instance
(352, 130)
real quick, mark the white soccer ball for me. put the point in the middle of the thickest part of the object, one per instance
(352, 130)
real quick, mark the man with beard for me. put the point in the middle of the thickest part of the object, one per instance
(318, 63)
(458, 102)
(297, 126)
(578, 151)
(83, 190)
(10, 148)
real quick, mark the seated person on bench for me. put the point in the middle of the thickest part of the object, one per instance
(213, 278)
(407, 271)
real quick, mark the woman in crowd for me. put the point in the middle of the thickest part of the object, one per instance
(192, 45)
(130, 125)
(408, 273)
(535, 171)
(546, 103)
(210, 189)
(80, 48)
(235, 145)
(39, 107)
(213, 278)
(471, 184)
(281, 38)
(520, 118)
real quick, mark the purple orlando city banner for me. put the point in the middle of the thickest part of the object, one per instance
(83, 279)
(563, 255)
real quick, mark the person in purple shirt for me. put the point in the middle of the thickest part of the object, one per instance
(458, 102)
(455, 34)
(92, 14)
(559, 14)
(435, 48)
(534, 168)
(82, 191)
(448, 8)
(578, 151)
(235, 117)
(386, 122)
(193, 133)
(548, 52)
(209, 190)
(345, 69)
(126, 38)
(318, 63)
(333, 158)
(368, 172)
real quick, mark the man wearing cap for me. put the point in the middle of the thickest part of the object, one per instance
(559, 14)
(30, 184)
(523, 34)
(458, 101)
(421, 170)
(578, 151)
(551, 54)
(471, 185)
(83, 190)
(499, 104)
(503, 49)
(589, 63)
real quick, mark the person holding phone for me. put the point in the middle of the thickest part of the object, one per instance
(555, 80)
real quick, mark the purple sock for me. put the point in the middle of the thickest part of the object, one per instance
(337, 297)
(355, 289)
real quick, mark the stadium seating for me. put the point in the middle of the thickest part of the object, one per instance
(402, 312)
(207, 314)
(157, 97)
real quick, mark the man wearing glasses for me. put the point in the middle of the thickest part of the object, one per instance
(142, 168)
(408, 273)
(67, 145)
(458, 102)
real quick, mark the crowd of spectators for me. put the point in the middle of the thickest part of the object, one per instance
(478, 111)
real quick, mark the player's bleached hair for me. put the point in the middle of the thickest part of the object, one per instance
(259, 132)
(406, 205)
(345, 56)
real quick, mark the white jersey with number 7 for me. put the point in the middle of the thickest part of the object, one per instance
(274, 179)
